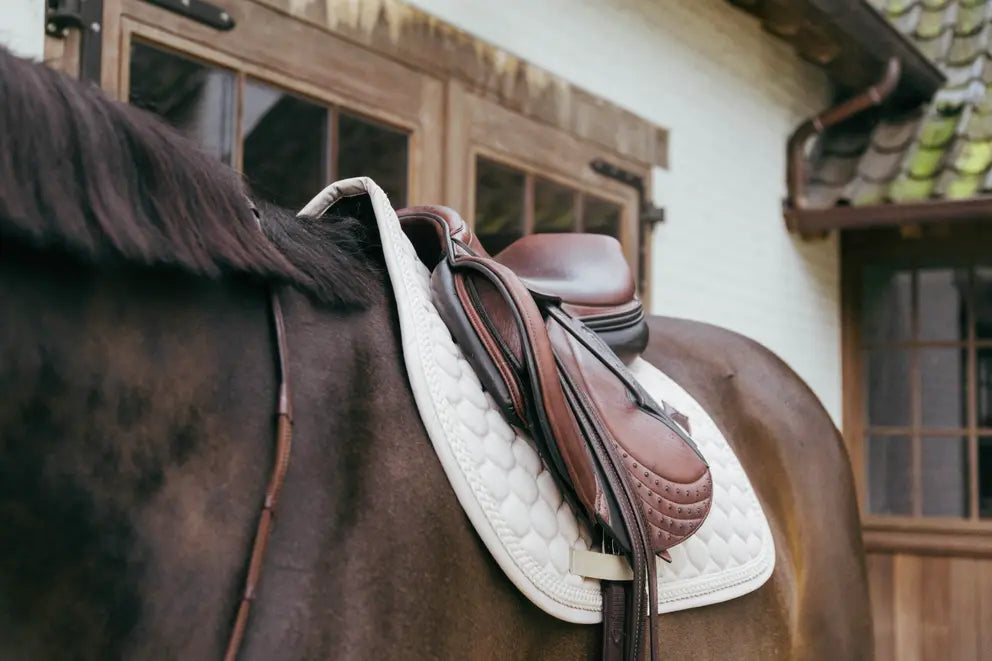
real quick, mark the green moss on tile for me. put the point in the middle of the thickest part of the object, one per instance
(960, 186)
(974, 156)
(907, 189)
(938, 129)
(924, 162)
(936, 4)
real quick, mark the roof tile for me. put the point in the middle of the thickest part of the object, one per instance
(834, 170)
(971, 19)
(897, 7)
(956, 186)
(935, 21)
(965, 49)
(938, 129)
(895, 135)
(907, 21)
(908, 189)
(823, 195)
(860, 192)
(924, 162)
(937, 47)
(976, 125)
(972, 156)
(876, 166)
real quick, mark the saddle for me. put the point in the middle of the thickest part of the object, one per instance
(548, 325)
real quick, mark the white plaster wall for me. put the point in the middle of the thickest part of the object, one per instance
(730, 94)
(22, 27)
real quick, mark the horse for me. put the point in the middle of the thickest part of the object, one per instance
(139, 374)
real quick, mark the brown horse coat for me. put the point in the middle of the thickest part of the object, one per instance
(136, 432)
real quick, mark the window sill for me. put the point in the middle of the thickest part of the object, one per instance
(948, 537)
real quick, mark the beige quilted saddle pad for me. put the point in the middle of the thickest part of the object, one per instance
(508, 494)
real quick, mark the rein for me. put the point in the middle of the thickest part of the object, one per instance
(284, 435)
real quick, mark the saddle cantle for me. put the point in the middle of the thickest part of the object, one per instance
(617, 455)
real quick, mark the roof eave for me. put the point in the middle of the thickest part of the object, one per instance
(810, 223)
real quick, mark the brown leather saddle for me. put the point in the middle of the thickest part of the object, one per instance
(549, 324)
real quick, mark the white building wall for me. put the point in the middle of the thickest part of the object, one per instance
(22, 27)
(730, 93)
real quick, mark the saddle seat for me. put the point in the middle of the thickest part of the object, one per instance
(588, 272)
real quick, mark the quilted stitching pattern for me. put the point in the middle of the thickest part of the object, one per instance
(510, 496)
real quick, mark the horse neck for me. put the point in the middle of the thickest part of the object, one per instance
(135, 439)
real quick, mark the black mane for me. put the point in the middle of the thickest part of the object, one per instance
(107, 183)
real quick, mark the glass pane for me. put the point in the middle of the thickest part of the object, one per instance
(942, 295)
(983, 386)
(886, 304)
(888, 380)
(983, 302)
(601, 217)
(944, 387)
(285, 145)
(195, 98)
(944, 468)
(890, 484)
(554, 207)
(499, 204)
(985, 477)
(366, 149)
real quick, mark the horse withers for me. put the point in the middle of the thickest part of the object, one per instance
(139, 375)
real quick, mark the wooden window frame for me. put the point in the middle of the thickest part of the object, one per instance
(400, 98)
(889, 533)
(480, 127)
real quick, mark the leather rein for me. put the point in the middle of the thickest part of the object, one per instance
(284, 436)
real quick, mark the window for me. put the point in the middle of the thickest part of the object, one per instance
(512, 176)
(511, 203)
(195, 98)
(289, 147)
(926, 370)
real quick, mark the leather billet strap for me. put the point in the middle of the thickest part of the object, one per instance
(565, 423)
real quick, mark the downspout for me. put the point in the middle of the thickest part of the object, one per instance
(795, 201)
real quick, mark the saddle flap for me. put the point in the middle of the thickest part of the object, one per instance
(671, 479)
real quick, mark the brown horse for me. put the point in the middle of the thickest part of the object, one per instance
(138, 381)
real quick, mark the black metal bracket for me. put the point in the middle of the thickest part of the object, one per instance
(648, 215)
(85, 16)
(199, 11)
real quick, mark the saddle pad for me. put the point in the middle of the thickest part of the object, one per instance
(506, 491)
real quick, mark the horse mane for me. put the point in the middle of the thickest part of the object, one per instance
(109, 184)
